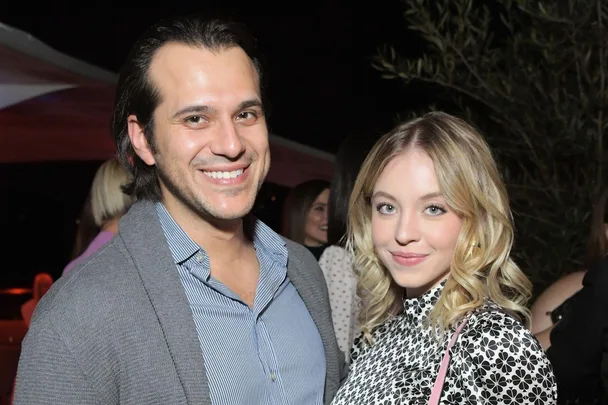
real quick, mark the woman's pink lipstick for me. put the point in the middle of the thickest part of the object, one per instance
(408, 259)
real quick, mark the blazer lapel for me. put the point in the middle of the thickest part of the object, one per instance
(144, 239)
(310, 284)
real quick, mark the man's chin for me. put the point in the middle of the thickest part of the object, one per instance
(232, 211)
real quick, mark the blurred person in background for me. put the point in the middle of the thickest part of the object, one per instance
(336, 261)
(42, 283)
(108, 204)
(572, 316)
(551, 305)
(305, 215)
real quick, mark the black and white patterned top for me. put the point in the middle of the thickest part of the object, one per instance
(495, 360)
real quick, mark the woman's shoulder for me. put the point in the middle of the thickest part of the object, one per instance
(490, 329)
(597, 274)
(565, 286)
(498, 352)
(335, 256)
(335, 251)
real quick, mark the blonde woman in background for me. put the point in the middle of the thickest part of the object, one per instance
(431, 233)
(108, 205)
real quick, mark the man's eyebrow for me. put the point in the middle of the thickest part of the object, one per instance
(201, 109)
(193, 109)
(250, 103)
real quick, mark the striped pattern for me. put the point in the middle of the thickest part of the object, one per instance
(269, 354)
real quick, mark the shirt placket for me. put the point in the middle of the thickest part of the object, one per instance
(268, 284)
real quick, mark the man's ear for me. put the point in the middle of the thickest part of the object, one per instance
(138, 140)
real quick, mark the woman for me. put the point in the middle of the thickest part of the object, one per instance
(431, 232)
(305, 215)
(553, 303)
(577, 340)
(336, 261)
(86, 230)
(108, 205)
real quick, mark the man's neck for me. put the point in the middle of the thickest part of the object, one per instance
(222, 240)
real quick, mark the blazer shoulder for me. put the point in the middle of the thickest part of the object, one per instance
(98, 286)
(300, 252)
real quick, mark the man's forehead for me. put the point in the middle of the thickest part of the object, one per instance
(181, 58)
(190, 70)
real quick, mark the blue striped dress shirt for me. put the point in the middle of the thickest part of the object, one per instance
(269, 354)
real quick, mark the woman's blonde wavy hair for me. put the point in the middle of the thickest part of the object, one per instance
(472, 187)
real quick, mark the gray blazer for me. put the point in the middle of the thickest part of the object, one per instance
(118, 328)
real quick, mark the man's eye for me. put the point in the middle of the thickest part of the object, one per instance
(195, 119)
(247, 115)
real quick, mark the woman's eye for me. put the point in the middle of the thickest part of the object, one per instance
(435, 210)
(385, 208)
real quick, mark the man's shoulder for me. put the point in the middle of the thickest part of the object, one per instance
(300, 252)
(92, 287)
(108, 263)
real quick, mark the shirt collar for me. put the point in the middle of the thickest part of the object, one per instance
(183, 247)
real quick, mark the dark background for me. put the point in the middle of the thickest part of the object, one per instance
(322, 85)
(322, 88)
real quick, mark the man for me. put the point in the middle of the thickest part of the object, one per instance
(193, 301)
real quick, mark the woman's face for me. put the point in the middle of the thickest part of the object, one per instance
(413, 230)
(315, 231)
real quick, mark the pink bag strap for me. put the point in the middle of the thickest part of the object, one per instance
(443, 369)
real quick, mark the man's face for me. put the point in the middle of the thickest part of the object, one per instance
(210, 137)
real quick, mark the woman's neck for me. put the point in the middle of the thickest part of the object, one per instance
(110, 226)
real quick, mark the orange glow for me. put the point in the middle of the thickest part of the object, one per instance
(16, 291)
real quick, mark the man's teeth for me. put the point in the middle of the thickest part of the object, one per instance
(225, 175)
(323, 227)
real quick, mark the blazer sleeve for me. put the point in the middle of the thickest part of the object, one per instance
(47, 371)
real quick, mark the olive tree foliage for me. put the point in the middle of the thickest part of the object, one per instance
(532, 75)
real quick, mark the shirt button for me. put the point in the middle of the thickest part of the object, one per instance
(273, 376)
(200, 257)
